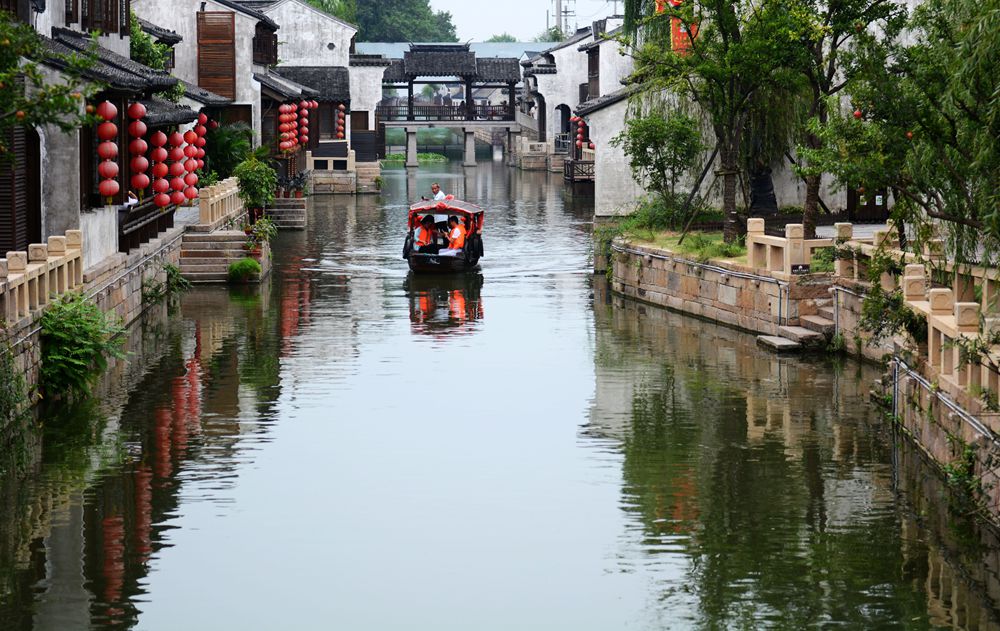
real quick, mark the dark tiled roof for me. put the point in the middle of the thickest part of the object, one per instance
(604, 37)
(540, 69)
(580, 35)
(439, 60)
(258, 5)
(162, 35)
(331, 83)
(110, 67)
(369, 60)
(282, 86)
(498, 70)
(395, 73)
(601, 102)
(202, 95)
(248, 10)
(161, 113)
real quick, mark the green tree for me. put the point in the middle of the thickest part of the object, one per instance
(552, 34)
(403, 21)
(741, 50)
(502, 37)
(430, 90)
(827, 31)
(28, 95)
(933, 143)
(144, 50)
(661, 148)
(346, 10)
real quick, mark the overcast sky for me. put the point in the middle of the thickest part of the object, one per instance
(524, 19)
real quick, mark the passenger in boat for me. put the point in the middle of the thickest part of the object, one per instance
(456, 237)
(423, 236)
(438, 194)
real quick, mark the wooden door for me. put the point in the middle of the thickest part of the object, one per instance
(359, 121)
(20, 190)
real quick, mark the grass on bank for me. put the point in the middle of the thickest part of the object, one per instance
(421, 157)
(701, 246)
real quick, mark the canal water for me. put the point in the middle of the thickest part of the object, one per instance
(350, 447)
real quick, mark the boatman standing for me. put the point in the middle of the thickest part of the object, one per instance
(438, 193)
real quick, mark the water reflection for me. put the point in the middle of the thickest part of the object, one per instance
(761, 488)
(440, 303)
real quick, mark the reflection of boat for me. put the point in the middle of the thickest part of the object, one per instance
(434, 258)
(444, 302)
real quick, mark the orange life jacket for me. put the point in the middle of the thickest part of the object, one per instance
(422, 236)
(456, 238)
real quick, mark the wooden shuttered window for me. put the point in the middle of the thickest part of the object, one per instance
(72, 12)
(593, 73)
(265, 46)
(217, 52)
(20, 205)
(104, 16)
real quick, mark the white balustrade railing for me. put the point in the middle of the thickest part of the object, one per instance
(30, 280)
(219, 203)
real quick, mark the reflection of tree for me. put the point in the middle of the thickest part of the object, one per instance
(760, 476)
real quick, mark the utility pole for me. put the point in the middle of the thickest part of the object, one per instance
(559, 16)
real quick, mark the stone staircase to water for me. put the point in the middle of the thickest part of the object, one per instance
(205, 257)
(814, 331)
(288, 213)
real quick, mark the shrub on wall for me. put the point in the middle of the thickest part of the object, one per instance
(77, 339)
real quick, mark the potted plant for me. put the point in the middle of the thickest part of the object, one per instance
(257, 183)
(264, 230)
(282, 189)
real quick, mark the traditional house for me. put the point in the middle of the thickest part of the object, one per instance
(226, 47)
(557, 81)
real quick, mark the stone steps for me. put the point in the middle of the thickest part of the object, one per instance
(778, 344)
(217, 253)
(205, 257)
(820, 324)
(802, 335)
(206, 277)
(219, 236)
(826, 312)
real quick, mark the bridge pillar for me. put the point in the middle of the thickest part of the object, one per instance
(513, 140)
(411, 147)
(470, 147)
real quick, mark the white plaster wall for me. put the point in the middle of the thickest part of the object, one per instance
(564, 86)
(615, 192)
(614, 67)
(100, 234)
(366, 90)
(53, 15)
(306, 33)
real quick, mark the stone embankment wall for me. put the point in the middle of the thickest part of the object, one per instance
(720, 291)
(115, 285)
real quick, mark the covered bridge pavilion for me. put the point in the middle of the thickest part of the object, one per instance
(450, 63)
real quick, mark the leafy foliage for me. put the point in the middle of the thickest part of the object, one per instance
(31, 97)
(154, 291)
(13, 392)
(257, 182)
(77, 339)
(346, 10)
(661, 148)
(244, 270)
(403, 21)
(228, 145)
(147, 52)
(552, 34)
(502, 37)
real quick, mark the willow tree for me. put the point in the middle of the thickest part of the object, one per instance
(730, 53)
(827, 30)
(925, 122)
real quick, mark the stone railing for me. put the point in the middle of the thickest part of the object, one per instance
(218, 204)
(790, 254)
(29, 280)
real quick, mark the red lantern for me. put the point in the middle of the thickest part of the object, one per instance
(162, 200)
(304, 139)
(190, 151)
(579, 136)
(107, 150)
(340, 135)
(140, 181)
(200, 130)
(341, 107)
(108, 169)
(160, 169)
(190, 165)
(176, 139)
(136, 111)
(138, 147)
(190, 192)
(158, 155)
(303, 130)
(191, 179)
(591, 145)
(213, 124)
(177, 169)
(108, 189)
(160, 185)
(137, 129)
(202, 118)
(177, 184)
(107, 111)
(158, 139)
(579, 144)
(200, 143)
(200, 153)
(201, 164)
(190, 136)
(177, 198)
(139, 164)
(107, 131)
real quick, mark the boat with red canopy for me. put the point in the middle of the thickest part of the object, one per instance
(436, 256)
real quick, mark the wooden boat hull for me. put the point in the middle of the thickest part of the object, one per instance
(435, 264)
